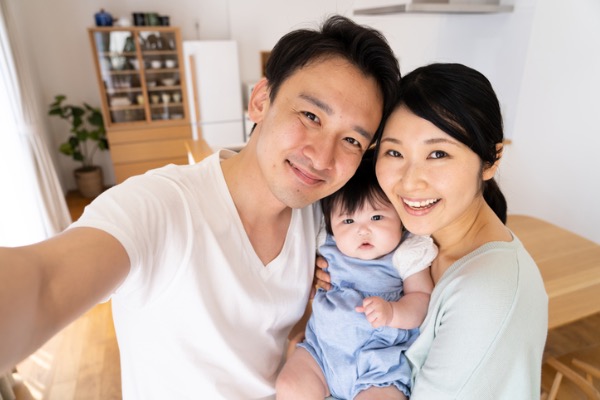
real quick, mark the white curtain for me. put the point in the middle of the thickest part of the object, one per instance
(32, 204)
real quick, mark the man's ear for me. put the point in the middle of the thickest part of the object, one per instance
(490, 172)
(259, 100)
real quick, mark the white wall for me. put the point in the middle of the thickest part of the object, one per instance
(258, 24)
(542, 59)
(551, 169)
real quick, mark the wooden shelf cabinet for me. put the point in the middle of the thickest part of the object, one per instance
(141, 78)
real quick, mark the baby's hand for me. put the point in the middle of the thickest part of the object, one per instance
(377, 311)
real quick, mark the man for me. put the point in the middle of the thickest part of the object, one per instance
(210, 265)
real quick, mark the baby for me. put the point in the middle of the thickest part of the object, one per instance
(359, 329)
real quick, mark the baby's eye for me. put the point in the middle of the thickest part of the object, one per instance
(439, 154)
(376, 217)
(348, 221)
(311, 116)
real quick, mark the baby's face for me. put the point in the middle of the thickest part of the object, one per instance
(368, 233)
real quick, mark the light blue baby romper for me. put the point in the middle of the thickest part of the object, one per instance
(351, 353)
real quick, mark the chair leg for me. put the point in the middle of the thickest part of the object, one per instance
(555, 385)
(590, 391)
(591, 372)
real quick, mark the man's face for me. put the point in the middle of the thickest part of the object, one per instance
(311, 138)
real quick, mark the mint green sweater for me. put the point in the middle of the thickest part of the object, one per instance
(485, 330)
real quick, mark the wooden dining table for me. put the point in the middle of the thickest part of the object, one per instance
(569, 264)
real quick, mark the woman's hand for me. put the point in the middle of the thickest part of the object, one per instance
(322, 278)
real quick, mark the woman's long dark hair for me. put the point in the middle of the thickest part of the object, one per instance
(461, 102)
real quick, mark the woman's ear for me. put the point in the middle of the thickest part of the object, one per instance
(259, 100)
(490, 172)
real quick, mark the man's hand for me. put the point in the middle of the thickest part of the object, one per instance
(322, 278)
(377, 311)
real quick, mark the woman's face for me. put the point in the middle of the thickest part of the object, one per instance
(432, 179)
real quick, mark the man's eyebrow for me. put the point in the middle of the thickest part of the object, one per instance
(329, 111)
(317, 103)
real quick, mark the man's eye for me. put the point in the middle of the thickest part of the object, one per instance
(376, 217)
(348, 221)
(352, 141)
(311, 116)
(439, 154)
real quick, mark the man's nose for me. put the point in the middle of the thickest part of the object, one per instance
(321, 152)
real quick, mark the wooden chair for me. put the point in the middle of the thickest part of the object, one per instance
(197, 150)
(570, 267)
(563, 371)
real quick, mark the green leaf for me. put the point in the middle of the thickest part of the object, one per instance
(82, 135)
(86, 124)
(66, 148)
(73, 141)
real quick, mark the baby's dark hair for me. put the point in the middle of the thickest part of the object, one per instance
(362, 187)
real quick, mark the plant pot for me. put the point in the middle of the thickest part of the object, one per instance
(89, 180)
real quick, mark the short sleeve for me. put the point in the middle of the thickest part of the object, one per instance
(322, 234)
(414, 254)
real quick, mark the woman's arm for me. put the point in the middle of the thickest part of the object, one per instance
(484, 334)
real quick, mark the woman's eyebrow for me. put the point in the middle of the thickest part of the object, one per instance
(428, 141)
(441, 140)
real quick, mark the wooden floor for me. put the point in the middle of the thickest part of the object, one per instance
(82, 361)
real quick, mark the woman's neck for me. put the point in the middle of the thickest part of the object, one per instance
(466, 234)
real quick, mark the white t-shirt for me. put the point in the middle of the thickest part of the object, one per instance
(199, 316)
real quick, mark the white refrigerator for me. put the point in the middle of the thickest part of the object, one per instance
(215, 92)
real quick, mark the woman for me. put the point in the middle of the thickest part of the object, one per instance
(485, 330)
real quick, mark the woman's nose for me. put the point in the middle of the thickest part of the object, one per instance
(412, 177)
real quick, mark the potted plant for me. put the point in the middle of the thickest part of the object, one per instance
(87, 136)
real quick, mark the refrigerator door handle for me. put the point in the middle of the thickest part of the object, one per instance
(195, 94)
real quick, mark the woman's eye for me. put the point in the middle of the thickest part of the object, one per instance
(439, 154)
(348, 221)
(393, 153)
(311, 116)
(376, 217)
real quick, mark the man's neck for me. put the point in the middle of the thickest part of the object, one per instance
(264, 217)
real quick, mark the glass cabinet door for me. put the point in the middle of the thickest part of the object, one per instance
(140, 74)
(162, 74)
(120, 71)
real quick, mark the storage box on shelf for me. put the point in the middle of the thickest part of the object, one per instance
(144, 100)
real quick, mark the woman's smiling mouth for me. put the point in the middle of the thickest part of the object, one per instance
(421, 204)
